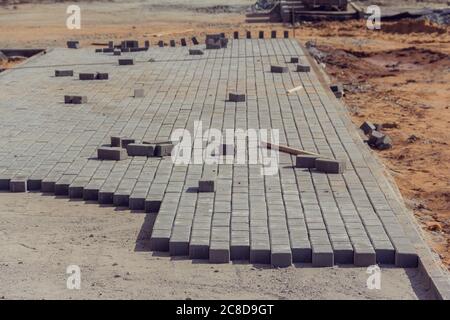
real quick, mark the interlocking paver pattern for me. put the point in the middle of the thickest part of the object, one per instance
(297, 215)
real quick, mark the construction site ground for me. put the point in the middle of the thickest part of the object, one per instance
(397, 77)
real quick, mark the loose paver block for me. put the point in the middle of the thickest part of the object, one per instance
(303, 68)
(279, 69)
(86, 76)
(330, 166)
(236, 97)
(294, 59)
(273, 34)
(219, 252)
(111, 153)
(124, 142)
(195, 52)
(140, 149)
(367, 127)
(63, 73)
(322, 256)
(73, 44)
(305, 161)
(126, 62)
(206, 186)
(163, 149)
(195, 41)
(75, 99)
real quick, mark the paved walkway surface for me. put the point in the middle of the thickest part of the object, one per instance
(297, 215)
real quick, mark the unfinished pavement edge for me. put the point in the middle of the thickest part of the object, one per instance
(432, 271)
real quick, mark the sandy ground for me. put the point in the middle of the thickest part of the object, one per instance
(40, 236)
(398, 76)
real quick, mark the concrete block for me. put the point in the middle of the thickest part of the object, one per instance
(249, 34)
(105, 197)
(140, 149)
(126, 141)
(236, 97)
(136, 203)
(367, 127)
(86, 76)
(76, 192)
(99, 50)
(281, 259)
(4, 182)
(179, 248)
(63, 73)
(183, 42)
(261, 34)
(159, 243)
(305, 161)
(338, 94)
(75, 99)
(116, 141)
(73, 44)
(107, 50)
(301, 255)
(219, 252)
(322, 256)
(195, 41)
(147, 44)
(337, 87)
(273, 34)
(286, 34)
(126, 62)
(102, 76)
(195, 52)
(260, 256)
(48, 186)
(294, 60)
(172, 43)
(198, 251)
(303, 68)
(160, 43)
(239, 252)
(18, 184)
(364, 256)
(34, 184)
(139, 93)
(111, 44)
(111, 153)
(163, 150)
(117, 52)
(330, 166)
(236, 35)
(121, 200)
(279, 69)
(152, 205)
(379, 140)
(206, 186)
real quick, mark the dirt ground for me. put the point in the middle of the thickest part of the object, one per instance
(398, 76)
(40, 236)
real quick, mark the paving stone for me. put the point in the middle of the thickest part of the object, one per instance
(140, 149)
(273, 34)
(160, 43)
(183, 42)
(219, 252)
(172, 43)
(261, 34)
(102, 76)
(236, 97)
(117, 52)
(206, 186)
(124, 142)
(195, 52)
(367, 127)
(294, 60)
(86, 76)
(305, 161)
(249, 35)
(163, 149)
(4, 182)
(281, 257)
(330, 166)
(286, 34)
(18, 184)
(322, 256)
(364, 256)
(63, 73)
(73, 44)
(126, 62)
(75, 99)
(194, 41)
(279, 69)
(116, 141)
(303, 68)
(112, 153)
(236, 35)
